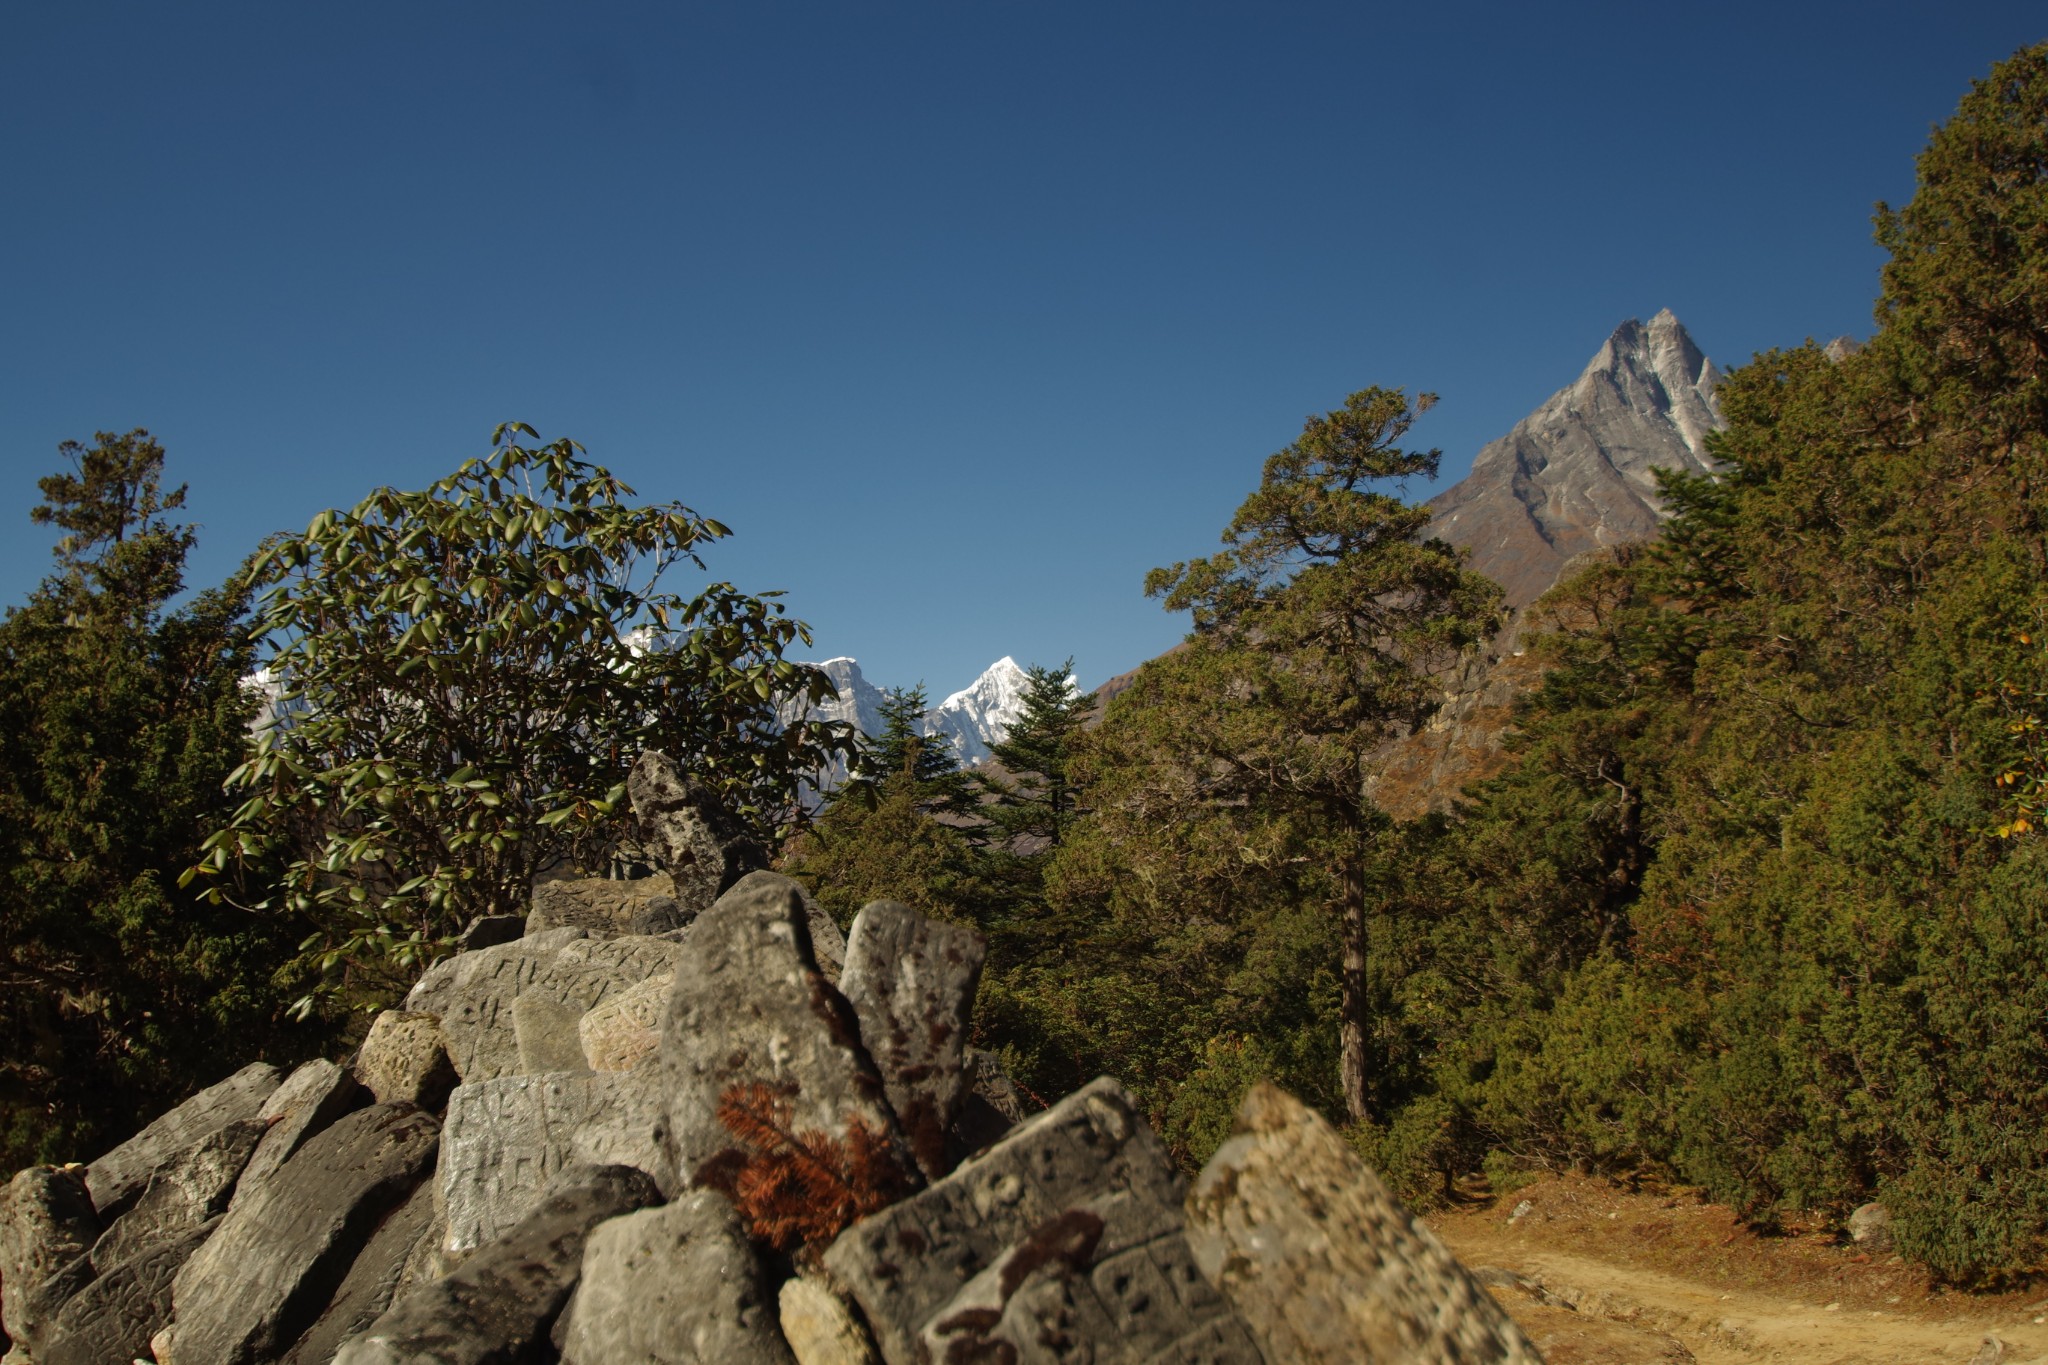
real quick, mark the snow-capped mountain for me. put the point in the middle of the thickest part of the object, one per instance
(973, 718)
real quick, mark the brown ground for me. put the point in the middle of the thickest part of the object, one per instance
(1600, 1275)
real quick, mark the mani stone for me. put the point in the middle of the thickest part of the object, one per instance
(473, 993)
(688, 833)
(544, 1029)
(911, 980)
(608, 906)
(1086, 1184)
(114, 1318)
(190, 1191)
(404, 1060)
(820, 1326)
(621, 1029)
(49, 1227)
(276, 1259)
(508, 1139)
(116, 1178)
(499, 1305)
(372, 1282)
(310, 1099)
(673, 1284)
(749, 1008)
(1321, 1261)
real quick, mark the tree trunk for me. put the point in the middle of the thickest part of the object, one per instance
(1356, 1026)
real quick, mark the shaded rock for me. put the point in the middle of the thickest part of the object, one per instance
(820, 1326)
(488, 931)
(498, 1305)
(508, 1139)
(119, 1176)
(405, 1060)
(991, 1107)
(310, 1099)
(749, 1007)
(607, 906)
(828, 942)
(1870, 1227)
(911, 981)
(672, 1284)
(50, 1226)
(114, 1318)
(276, 1259)
(681, 823)
(372, 1282)
(428, 1260)
(1321, 1261)
(191, 1191)
(621, 1029)
(1085, 1183)
(545, 1031)
(473, 993)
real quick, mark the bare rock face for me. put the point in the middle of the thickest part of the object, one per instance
(675, 1283)
(500, 1304)
(114, 1318)
(750, 1009)
(405, 1060)
(189, 1192)
(50, 1226)
(276, 1259)
(310, 1099)
(820, 1326)
(119, 1176)
(1322, 1262)
(689, 834)
(1578, 473)
(911, 982)
(1067, 1230)
(372, 1282)
(608, 907)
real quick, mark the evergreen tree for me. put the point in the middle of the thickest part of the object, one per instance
(1028, 796)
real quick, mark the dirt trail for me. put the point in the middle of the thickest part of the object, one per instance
(1602, 1276)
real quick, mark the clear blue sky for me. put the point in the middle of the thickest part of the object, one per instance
(962, 315)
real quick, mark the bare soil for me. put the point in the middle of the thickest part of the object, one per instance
(1598, 1274)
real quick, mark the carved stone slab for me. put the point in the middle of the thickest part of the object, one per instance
(276, 1259)
(675, 1283)
(118, 1177)
(310, 1099)
(621, 1029)
(499, 1304)
(605, 906)
(911, 982)
(49, 1226)
(113, 1318)
(1092, 1154)
(372, 1281)
(749, 1007)
(1322, 1261)
(505, 1141)
(404, 1060)
(190, 1191)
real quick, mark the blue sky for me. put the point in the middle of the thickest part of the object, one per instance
(961, 315)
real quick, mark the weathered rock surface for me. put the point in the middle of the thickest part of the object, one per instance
(674, 1284)
(372, 1282)
(405, 1060)
(911, 982)
(1870, 1227)
(820, 1326)
(473, 993)
(310, 1100)
(119, 1176)
(499, 1305)
(621, 1029)
(191, 1191)
(749, 1007)
(50, 1226)
(1085, 1184)
(545, 1031)
(689, 834)
(608, 906)
(113, 1319)
(1321, 1261)
(276, 1259)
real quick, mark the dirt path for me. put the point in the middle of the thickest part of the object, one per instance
(1601, 1276)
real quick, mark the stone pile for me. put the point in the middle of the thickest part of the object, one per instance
(684, 1120)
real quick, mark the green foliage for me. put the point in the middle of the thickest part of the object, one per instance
(119, 720)
(478, 665)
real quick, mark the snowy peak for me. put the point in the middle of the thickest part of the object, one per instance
(1579, 473)
(859, 702)
(981, 713)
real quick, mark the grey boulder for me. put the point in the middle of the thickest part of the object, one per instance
(48, 1229)
(113, 1318)
(499, 1306)
(276, 1259)
(911, 982)
(689, 834)
(372, 1282)
(190, 1191)
(119, 1176)
(310, 1100)
(404, 1060)
(675, 1285)
(608, 906)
